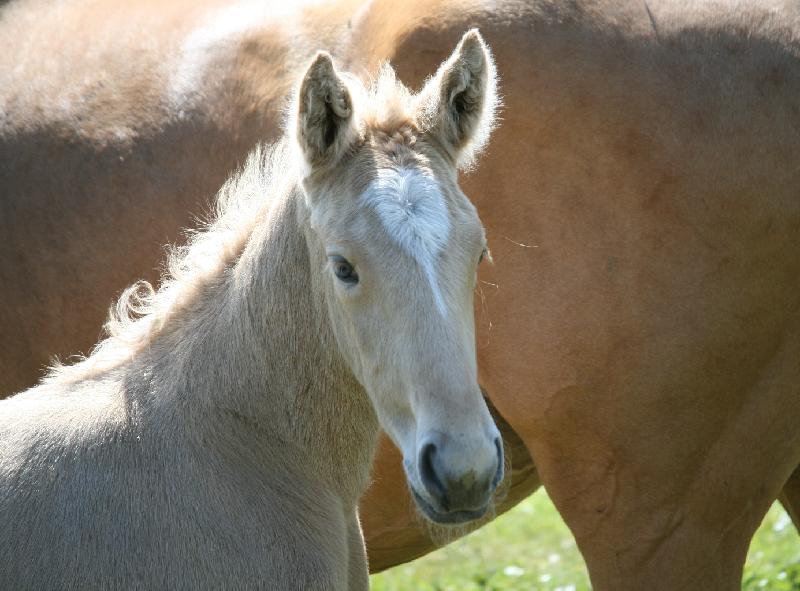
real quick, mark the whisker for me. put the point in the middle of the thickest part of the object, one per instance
(485, 312)
(520, 243)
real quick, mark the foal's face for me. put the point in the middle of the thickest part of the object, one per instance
(397, 245)
(402, 245)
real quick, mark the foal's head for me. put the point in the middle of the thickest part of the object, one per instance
(397, 245)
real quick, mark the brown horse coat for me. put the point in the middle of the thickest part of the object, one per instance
(638, 330)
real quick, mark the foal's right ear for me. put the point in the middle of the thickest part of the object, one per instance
(459, 104)
(325, 127)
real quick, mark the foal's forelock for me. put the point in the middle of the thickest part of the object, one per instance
(412, 209)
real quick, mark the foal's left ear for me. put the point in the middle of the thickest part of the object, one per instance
(458, 104)
(325, 127)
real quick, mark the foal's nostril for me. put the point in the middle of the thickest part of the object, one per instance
(427, 472)
(499, 473)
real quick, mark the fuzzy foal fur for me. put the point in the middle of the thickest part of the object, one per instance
(222, 434)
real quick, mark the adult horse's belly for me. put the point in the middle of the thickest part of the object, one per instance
(637, 331)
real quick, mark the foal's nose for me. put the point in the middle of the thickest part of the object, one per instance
(460, 476)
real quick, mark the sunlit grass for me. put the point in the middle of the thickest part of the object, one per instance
(773, 562)
(530, 547)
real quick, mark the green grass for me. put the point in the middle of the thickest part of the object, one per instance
(530, 547)
(773, 562)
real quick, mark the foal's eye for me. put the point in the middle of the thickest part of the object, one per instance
(343, 270)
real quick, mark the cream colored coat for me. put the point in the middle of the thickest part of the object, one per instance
(222, 434)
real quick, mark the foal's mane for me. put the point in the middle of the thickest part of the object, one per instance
(142, 311)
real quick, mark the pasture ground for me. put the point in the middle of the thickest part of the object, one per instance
(531, 548)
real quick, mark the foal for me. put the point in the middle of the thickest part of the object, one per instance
(221, 435)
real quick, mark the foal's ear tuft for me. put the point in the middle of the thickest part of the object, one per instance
(458, 105)
(325, 127)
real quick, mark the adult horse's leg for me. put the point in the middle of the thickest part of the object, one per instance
(790, 497)
(395, 534)
(654, 506)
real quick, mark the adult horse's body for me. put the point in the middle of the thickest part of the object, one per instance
(639, 329)
(223, 433)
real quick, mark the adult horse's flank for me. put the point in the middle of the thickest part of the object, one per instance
(223, 433)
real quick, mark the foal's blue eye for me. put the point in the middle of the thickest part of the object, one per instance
(343, 270)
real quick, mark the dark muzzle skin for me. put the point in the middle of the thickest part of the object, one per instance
(449, 496)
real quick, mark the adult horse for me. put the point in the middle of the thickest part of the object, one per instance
(224, 431)
(637, 330)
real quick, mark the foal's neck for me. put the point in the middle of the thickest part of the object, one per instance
(257, 363)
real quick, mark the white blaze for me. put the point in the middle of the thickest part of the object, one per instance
(411, 208)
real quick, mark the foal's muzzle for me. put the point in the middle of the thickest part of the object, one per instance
(455, 482)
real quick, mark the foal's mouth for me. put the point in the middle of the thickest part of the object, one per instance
(447, 517)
